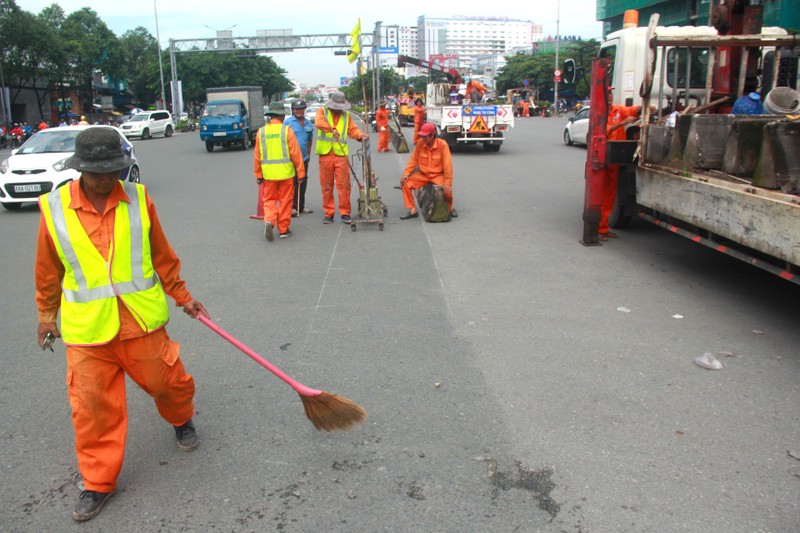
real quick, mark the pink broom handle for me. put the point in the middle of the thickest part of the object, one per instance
(296, 385)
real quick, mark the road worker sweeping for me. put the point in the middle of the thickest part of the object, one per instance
(104, 261)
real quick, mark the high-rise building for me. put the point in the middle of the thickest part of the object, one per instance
(455, 41)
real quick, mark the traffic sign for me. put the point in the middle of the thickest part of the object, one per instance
(525, 82)
(557, 73)
(556, 78)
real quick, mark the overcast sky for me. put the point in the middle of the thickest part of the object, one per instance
(179, 19)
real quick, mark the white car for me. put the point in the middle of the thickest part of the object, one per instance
(577, 129)
(149, 123)
(37, 167)
(311, 112)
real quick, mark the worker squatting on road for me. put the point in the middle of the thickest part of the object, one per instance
(419, 118)
(102, 258)
(304, 131)
(429, 163)
(277, 160)
(382, 121)
(619, 117)
(334, 124)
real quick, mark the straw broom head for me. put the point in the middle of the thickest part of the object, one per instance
(329, 412)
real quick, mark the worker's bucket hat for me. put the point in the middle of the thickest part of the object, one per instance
(98, 150)
(338, 101)
(276, 108)
(382, 103)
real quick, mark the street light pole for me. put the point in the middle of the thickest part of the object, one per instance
(160, 65)
(558, 41)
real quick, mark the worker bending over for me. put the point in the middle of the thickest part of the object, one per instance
(429, 163)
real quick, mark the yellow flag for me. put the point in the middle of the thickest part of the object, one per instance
(355, 47)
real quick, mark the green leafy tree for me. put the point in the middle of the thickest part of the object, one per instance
(140, 56)
(92, 49)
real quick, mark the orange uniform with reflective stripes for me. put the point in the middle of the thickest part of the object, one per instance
(335, 169)
(278, 195)
(419, 120)
(428, 165)
(96, 374)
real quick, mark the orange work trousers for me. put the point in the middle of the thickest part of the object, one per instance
(609, 195)
(334, 170)
(278, 198)
(96, 388)
(383, 140)
(417, 127)
(417, 180)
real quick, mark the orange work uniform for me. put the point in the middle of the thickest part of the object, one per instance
(616, 115)
(335, 169)
(419, 120)
(429, 165)
(278, 195)
(526, 109)
(96, 374)
(382, 120)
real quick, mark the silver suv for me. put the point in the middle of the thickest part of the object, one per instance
(149, 123)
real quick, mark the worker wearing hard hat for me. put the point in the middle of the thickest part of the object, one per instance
(382, 121)
(334, 124)
(429, 163)
(83, 121)
(277, 159)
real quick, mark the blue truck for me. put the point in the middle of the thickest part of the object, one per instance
(232, 117)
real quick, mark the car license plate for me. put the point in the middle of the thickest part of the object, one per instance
(220, 134)
(36, 187)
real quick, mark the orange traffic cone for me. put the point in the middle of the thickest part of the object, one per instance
(260, 208)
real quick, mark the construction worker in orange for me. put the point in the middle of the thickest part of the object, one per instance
(334, 124)
(475, 91)
(619, 117)
(103, 260)
(429, 163)
(277, 159)
(382, 121)
(526, 108)
(419, 118)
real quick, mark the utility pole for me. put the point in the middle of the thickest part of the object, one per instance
(558, 41)
(377, 70)
(160, 64)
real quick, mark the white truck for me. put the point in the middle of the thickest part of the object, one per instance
(729, 182)
(470, 123)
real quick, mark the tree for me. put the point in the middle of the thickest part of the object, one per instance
(92, 49)
(140, 57)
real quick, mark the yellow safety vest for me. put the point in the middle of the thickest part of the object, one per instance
(325, 140)
(276, 164)
(92, 283)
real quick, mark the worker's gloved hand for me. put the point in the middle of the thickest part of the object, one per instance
(403, 180)
(336, 135)
(260, 180)
(194, 308)
(383, 128)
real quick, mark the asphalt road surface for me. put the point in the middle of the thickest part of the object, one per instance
(515, 380)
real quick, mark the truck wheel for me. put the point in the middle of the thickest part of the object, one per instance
(209, 146)
(246, 142)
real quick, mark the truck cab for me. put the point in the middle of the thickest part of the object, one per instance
(232, 116)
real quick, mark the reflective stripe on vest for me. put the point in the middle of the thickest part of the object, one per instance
(272, 167)
(92, 283)
(325, 140)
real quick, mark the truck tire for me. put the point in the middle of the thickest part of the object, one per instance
(246, 141)
(209, 146)
(617, 219)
